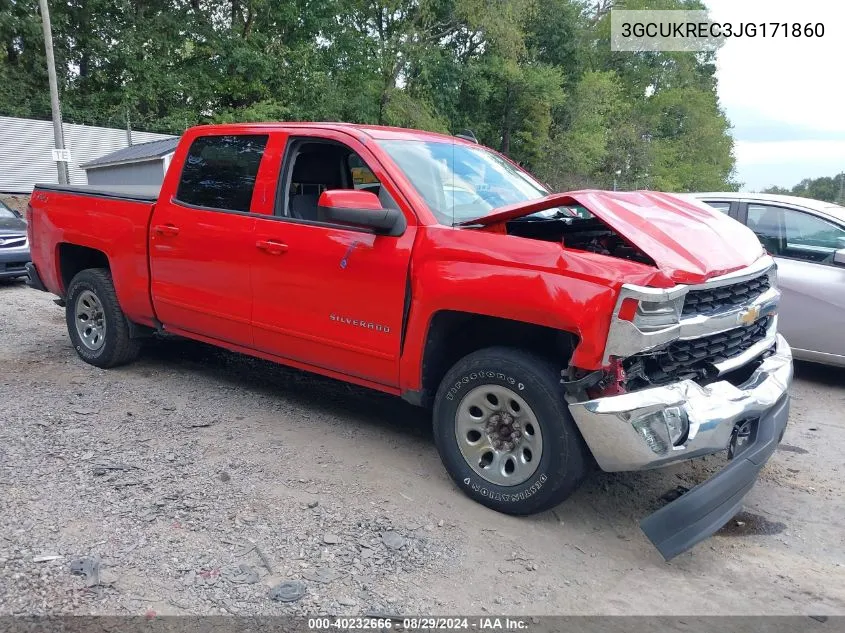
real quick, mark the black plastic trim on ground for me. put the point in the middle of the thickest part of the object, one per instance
(700, 512)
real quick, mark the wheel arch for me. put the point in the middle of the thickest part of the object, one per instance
(73, 258)
(453, 334)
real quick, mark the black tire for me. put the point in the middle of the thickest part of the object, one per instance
(117, 347)
(565, 457)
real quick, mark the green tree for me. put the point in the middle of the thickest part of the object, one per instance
(778, 190)
(825, 188)
(585, 143)
(533, 78)
(691, 144)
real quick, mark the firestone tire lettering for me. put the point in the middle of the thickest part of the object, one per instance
(498, 496)
(482, 375)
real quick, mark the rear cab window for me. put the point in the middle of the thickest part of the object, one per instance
(220, 172)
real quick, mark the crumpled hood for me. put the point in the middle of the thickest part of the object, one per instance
(689, 241)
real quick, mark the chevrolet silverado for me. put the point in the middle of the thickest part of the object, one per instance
(547, 332)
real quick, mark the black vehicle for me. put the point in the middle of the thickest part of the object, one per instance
(14, 246)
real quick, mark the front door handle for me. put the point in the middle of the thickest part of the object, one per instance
(166, 229)
(272, 247)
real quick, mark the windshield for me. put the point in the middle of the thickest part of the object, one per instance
(6, 212)
(461, 182)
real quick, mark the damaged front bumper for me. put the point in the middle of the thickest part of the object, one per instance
(611, 428)
(749, 419)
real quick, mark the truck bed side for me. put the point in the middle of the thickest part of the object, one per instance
(72, 226)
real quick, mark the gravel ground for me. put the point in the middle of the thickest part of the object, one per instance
(197, 481)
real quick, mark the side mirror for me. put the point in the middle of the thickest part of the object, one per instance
(360, 209)
(839, 257)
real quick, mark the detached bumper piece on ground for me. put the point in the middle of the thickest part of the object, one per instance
(748, 420)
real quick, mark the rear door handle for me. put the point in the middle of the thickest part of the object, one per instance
(272, 247)
(166, 229)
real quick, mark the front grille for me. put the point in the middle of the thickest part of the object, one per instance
(693, 358)
(713, 300)
(12, 241)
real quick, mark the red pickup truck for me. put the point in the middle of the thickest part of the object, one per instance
(546, 331)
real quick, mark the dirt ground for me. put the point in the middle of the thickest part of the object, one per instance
(196, 480)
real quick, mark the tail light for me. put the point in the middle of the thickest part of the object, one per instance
(27, 215)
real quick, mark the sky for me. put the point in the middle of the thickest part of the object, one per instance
(785, 97)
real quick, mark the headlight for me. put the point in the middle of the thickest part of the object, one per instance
(663, 429)
(653, 315)
(650, 316)
(773, 276)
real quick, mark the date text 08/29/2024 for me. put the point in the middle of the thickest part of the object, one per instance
(421, 623)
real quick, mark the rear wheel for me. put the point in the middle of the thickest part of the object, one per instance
(505, 434)
(96, 324)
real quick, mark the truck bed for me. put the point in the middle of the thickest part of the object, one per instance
(95, 226)
(139, 193)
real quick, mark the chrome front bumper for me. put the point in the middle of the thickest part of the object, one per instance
(713, 411)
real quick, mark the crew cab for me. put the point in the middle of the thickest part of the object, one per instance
(547, 332)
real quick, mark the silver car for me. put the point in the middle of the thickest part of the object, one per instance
(807, 239)
(14, 248)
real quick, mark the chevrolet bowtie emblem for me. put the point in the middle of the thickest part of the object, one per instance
(749, 316)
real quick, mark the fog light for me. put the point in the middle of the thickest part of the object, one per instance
(677, 424)
(653, 429)
(663, 429)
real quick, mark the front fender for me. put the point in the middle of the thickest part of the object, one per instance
(513, 278)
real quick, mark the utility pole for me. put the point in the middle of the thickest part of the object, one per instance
(128, 129)
(841, 188)
(58, 135)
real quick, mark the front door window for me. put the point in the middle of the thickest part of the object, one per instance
(795, 234)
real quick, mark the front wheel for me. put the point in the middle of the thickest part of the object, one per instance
(505, 434)
(97, 326)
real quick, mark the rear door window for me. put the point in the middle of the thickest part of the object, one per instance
(220, 171)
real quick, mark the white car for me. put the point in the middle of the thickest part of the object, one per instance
(807, 239)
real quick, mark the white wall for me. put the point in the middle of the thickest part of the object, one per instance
(145, 173)
(25, 156)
